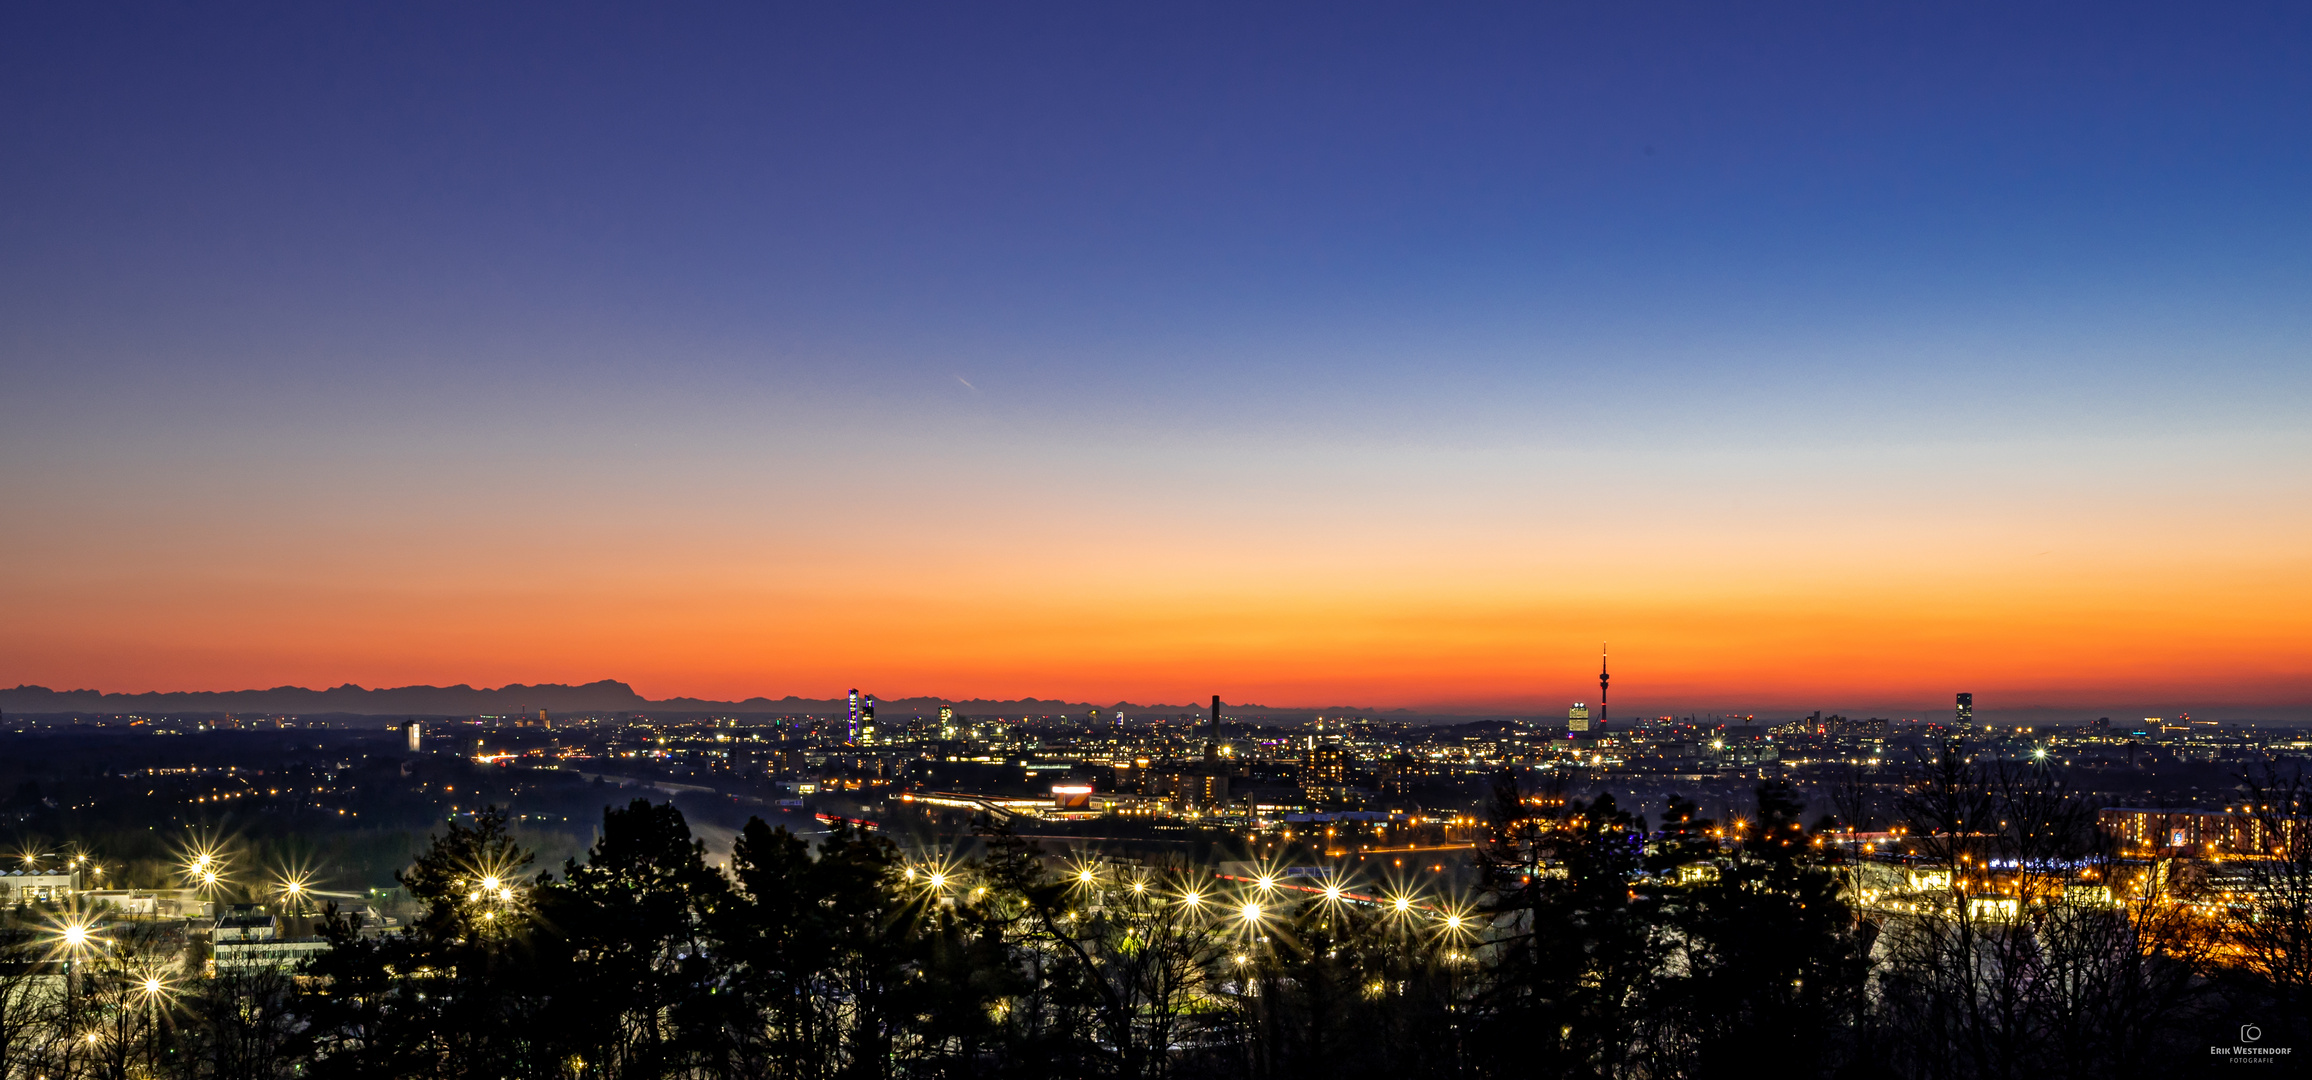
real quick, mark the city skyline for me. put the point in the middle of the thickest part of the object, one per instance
(611, 697)
(1347, 355)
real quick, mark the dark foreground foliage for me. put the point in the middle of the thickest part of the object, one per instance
(1598, 947)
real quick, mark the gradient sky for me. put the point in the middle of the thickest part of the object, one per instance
(1388, 355)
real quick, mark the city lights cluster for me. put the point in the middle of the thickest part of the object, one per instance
(1247, 905)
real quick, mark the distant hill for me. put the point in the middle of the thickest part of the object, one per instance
(606, 696)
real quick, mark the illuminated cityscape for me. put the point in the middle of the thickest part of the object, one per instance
(1062, 542)
(216, 852)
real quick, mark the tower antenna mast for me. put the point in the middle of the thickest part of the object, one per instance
(1605, 708)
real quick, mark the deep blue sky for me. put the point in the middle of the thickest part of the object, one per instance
(474, 264)
(1088, 199)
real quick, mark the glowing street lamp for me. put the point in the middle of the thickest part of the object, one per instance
(204, 868)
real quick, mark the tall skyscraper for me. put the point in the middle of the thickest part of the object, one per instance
(415, 732)
(867, 719)
(1966, 718)
(851, 729)
(1604, 712)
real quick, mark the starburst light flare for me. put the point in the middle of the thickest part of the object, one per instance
(292, 886)
(76, 934)
(204, 866)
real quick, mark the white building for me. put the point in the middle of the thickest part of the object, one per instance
(31, 886)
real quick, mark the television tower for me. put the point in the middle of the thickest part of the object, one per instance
(1604, 711)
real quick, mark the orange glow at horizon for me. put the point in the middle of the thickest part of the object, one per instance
(1349, 576)
(1483, 636)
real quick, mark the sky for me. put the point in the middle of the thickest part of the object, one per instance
(1390, 355)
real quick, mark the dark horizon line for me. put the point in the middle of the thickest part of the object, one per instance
(616, 696)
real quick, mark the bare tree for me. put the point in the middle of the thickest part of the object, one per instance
(2271, 928)
(2022, 946)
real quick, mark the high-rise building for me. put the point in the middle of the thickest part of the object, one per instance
(543, 721)
(1325, 771)
(1966, 717)
(1202, 783)
(851, 727)
(415, 733)
(866, 722)
(947, 721)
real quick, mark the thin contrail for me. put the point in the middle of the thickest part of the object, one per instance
(967, 382)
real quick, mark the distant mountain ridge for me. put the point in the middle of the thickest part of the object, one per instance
(604, 696)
